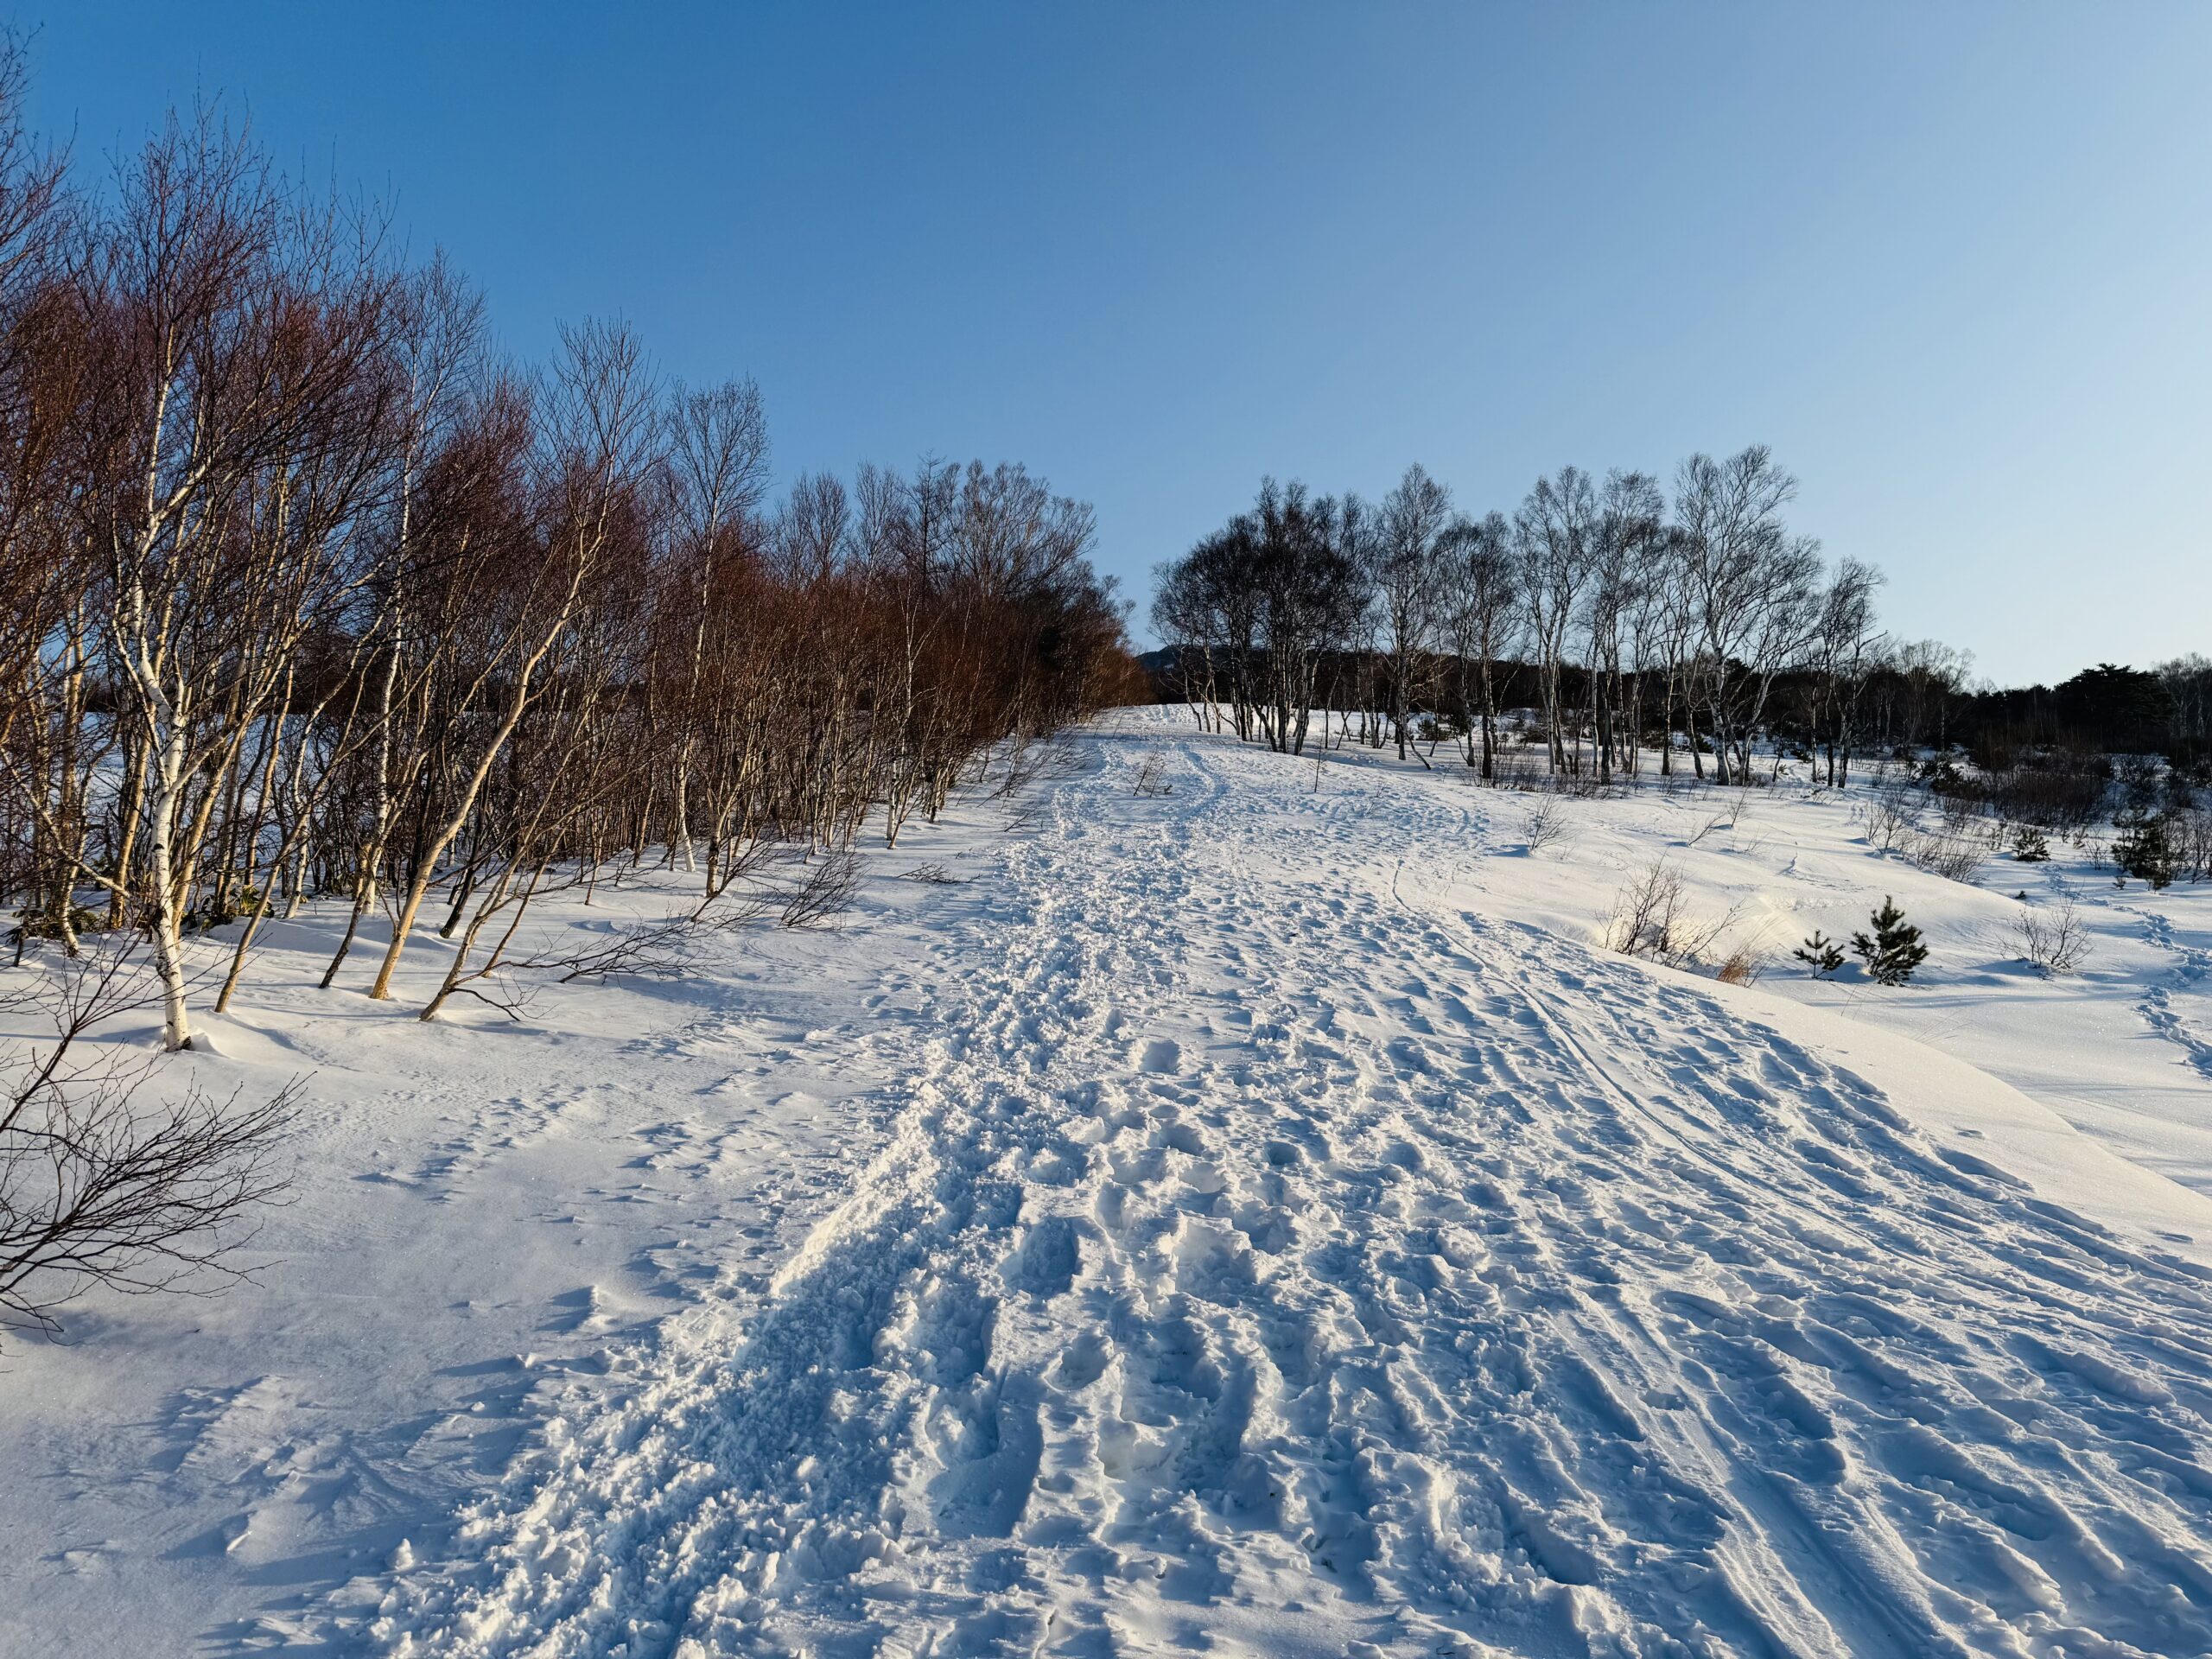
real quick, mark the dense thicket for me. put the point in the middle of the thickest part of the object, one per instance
(304, 594)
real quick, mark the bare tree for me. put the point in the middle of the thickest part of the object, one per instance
(1485, 600)
(1404, 556)
(718, 462)
(437, 350)
(1554, 533)
(595, 451)
(233, 331)
(1845, 644)
(1751, 592)
(1631, 517)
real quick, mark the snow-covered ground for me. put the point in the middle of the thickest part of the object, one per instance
(1253, 1219)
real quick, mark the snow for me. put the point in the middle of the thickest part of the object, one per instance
(1256, 1218)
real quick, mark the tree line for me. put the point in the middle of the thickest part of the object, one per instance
(2109, 708)
(1622, 611)
(1634, 619)
(305, 593)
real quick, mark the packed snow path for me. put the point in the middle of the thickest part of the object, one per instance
(1268, 1259)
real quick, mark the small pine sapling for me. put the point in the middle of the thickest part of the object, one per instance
(1894, 951)
(1820, 953)
(2145, 850)
(2030, 845)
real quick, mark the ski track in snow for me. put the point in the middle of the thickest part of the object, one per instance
(1268, 1259)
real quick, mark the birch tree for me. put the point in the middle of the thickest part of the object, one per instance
(596, 430)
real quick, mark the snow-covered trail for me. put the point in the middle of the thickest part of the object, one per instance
(1273, 1258)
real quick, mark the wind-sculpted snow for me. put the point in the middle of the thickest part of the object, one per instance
(1270, 1260)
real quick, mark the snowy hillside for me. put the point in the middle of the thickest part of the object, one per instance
(1254, 1217)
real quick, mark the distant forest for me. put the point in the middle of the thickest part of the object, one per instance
(1691, 624)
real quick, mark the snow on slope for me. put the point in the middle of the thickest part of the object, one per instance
(1273, 1256)
(2119, 1049)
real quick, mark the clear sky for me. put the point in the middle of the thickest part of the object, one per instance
(1950, 260)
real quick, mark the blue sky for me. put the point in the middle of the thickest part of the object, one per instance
(1951, 261)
